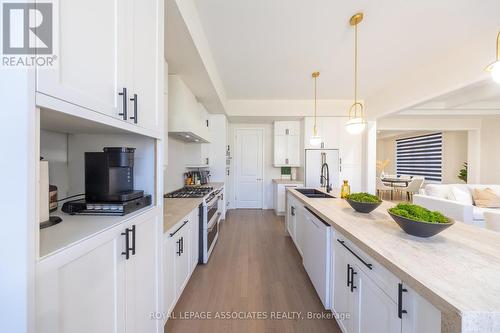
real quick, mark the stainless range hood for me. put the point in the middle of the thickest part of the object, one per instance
(187, 137)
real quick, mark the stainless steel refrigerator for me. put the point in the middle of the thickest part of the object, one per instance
(314, 160)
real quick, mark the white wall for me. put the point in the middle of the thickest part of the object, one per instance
(54, 149)
(490, 152)
(173, 177)
(270, 172)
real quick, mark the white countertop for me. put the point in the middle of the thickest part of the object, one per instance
(287, 181)
(458, 270)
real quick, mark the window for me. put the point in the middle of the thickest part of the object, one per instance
(420, 156)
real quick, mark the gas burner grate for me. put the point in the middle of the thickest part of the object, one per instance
(190, 192)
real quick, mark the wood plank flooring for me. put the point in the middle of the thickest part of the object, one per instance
(255, 267)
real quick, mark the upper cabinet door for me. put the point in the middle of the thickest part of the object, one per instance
(286, 128)
(91, 60)
(146, 66)
(280, 150)
(293, 150)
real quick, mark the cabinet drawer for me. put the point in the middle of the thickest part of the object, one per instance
(386, 281)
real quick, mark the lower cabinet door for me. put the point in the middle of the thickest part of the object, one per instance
(194, 237)
(182, 260)
(299, 229)
(342, 300)
(142, 283)
(374, 311)
(170, 291)
(82, 291)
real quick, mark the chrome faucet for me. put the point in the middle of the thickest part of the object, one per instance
(327, 178)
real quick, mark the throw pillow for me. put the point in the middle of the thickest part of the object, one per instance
(461, 195)
(486, 198)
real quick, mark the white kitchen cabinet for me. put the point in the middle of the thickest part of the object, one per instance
(316, 255)
(350, 145)
(374, 297)
(90, 281)
(169, 288)
(96, 279)
(147, 58)
(142, 282)
(180, 257)
(286, 143)
(420, 316)
(300, 229)
(280, 194)
(342, 300)
(194, 237)
(376, 311)
(327, 128)
(287, 128)
(116, 57)
(187, 119)
(91, 70)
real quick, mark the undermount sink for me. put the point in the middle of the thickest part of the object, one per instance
(313, 193)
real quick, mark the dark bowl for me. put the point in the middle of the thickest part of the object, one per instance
(363, 207)
(420, 229)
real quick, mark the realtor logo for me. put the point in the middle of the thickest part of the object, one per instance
(28, 34)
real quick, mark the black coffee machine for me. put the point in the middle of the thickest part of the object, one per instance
(109, 185)
(109, 175)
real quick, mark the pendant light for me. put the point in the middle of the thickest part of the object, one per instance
(494, 68)
(315, 139)
(356, 123)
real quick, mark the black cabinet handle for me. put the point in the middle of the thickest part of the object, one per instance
(348, 275)
(178, 247)
(133, 240)
(370, 266)
(352, 279)
(173, 233)
(182, 245)
(293, 210)
(401, 290)
(134, 99)
(127, 244)
(124, 99)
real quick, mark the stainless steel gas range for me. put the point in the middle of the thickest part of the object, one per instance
(210, 215)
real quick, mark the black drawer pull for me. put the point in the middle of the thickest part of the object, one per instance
(178, 247)
(173, 233)
(370, 266)
(401, 290)
(125, 101)
(134, 99)
(133, 240)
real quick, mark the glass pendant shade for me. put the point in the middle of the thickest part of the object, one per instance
(494, 70)
(355, 125)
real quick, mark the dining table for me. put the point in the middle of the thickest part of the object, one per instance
(396, 180)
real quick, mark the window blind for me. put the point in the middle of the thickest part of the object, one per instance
(420, 156)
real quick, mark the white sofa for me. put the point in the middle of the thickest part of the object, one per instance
(455, 201)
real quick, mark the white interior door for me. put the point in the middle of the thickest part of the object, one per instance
(249, 168)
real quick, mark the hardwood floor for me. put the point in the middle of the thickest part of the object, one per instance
(255, 267)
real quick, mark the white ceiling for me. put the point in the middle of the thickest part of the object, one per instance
(267, 49)
(482, 98)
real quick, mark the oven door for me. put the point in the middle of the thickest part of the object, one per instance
(212, 208)
(212, 232)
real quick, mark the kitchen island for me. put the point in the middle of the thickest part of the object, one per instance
(457, 271)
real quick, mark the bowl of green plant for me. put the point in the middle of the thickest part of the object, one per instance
(419, 221)
(363, 202)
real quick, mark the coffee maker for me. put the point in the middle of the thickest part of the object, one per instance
(109, 185)
(109, 175)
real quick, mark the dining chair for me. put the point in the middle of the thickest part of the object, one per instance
(383, 188)
(492, 221)
(412, 188)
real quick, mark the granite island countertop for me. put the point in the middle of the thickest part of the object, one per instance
(174, 209)
(458, 270)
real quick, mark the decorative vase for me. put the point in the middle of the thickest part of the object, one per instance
(345, 190)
